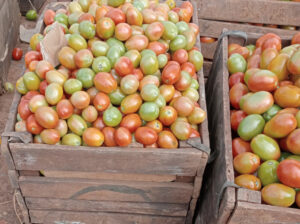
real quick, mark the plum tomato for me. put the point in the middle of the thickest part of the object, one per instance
(240, 146)
(248, 181)
(123, 136)
(246, 163)
(236, 117)
(93, 137)
(278, 195)
(146, 135)
(267, 172)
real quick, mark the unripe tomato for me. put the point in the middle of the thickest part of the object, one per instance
(89, 114)
(50, 136)
(181, 129)
(267, 172)
(46, 117)
(278, 195)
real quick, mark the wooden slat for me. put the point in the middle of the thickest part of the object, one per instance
(208, 50)
(206, 68)
(13, 178)
(254, 11)
(183, 162)
(247, 195)
(105, 190)
(190, 215)
(212, 28)
(110, 176)
(260, 214)
(22, 206)
(107, 206)
(50, 217)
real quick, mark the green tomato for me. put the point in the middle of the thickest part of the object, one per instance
(31, 81)
(116, 96)
(267, 172)
(173, 17)
(77, 42)
(20, 86)
(170, 30)
(160, 101)
(112, 117)
(149, 111)
(101, 64)
(73, 17)
(77, 124)
(265, 147)
(99, 48)
(86, 77)
(182, 27)
(149, 64)
(74, 28)
(162, 60)
(271, 112)
(87, 29)
(147, 52)
(115, 3)
(150, 92)
(179, 42)
(72, 85)
(113, 54)
(236, 63)
(196, 58)
(194, 84)
(134, 56)
(61, 18)
(115, 42)
(251, 126)
(71, 139)
(31, 15)
(251, 49)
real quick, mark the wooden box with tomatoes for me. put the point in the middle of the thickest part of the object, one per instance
(255, 16)
(155, 178)
(255, 141)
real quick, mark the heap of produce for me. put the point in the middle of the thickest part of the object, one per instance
(265, 118)
(128, 73)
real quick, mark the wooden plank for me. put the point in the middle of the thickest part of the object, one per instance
(6, 154)
(266, 12)
(208, 50)
(13, 178)
(50, 217)
(212, 28)
(183, 162)
(29, 173)
(22, 206)
(261, 214)
(197, 186)
(106, 190)
(190, 215)
(206, 68)
(247, 195)
(110, 176)
(107, 206)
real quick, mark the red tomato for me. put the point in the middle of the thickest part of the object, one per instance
(236, 93)
(64, 109)
(189, 67)
(167, 115)
(23, 109)
(32, 56)
(288, 172)
(105, 82)
(17, 53)
(171, 73)
(86, 16)
(181, 56)
(207, 40)
(46, 117)
(123, 31)
(43, 86)
(156, 125)
(240, 146)
(246, 163)
(240, 50)
(157, 47)
(260, 41)
(194, 133)
(49, 17)
(80, 99)
(293, 142)
(124, 66)
(101, 101)
(117, 15)
(272, 43)
(184, 106)
(33, 126)
(109, 136)
(123, 136)
(236, 78)
(131, 122)
(137, 72)
(145, 135)
(99, 123)
(236, 118)
(42, 68)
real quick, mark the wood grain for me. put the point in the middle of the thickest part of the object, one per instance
(248, 195)
(254, 11)
(183, 162)
(164, 209)
(50, 217)
(106, 190)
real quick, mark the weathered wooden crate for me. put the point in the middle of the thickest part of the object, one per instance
(102, 184)
(222, 202)
(26, 6)
(214, 15)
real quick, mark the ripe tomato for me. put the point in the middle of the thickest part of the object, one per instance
(92, 93)
(236, 117)
(101, 101)
(280, 125)
(99, 123)
(207, 40)
(260, 41)
(17, 53)
(50, 136)
(123, 31)
(154, 31)
(36, 102)
(23, 109)
(248, 181)
(137, 72)
(137, 42)
(184, 106)
(62, 127)
(293, 142)
(157, 47)
(189, 67)
(167, 91)
(167, 115)
(42, 67)
(93, 137)
(236, 93)
(105, 82)
(146, 135)
(272, 43)
(167, 139)
(66, 57)
(80, 99)
(131, 103)
(236, 78)
(240, 146)
(287, 96)
(278, 195)
(131, 122)
(64, 109)
(109, 136)
(46, 117)
(83, 58)
(263, 80)
(184, 81)
(32, 56)
(123, 136)
(246, 163)
(49, 17)
(288, 172)
(156, 125)
(101, 12)
(33, 126)
(181, 129)
(89, 114)
(171, 73)
(117, 15)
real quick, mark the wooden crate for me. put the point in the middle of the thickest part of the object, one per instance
(25, 5)
(222, 201)
(214, 15)
(102, 184)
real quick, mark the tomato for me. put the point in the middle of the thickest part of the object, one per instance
(74, 7)
(42, 67)
(134, 16)
(184, 106)
(29, 95)
(99, 48)
(90, 114)
(167, 139)
(258, 103)
(167, 115)
(72, 85)
(240, 50)
(112, 117)
(31, 81)
(236, 93)
(148, 16)
(207, 40)
(189, 67)
(17, 53)
(76, 124)
(156, 125)
(137, 30)
(36, 102)
(54, 76)
(236, 63)
(251, 126)
(263, 80)
(197, 116)
(131, 122)
(265, 147)
(50, 136)
(77, 42)
(62, 127)
(101, 12)
(184, 81)
(105, 28)
(31, 14)
(181, 129)
(248, 181)
(124, 66)
(296, 39)
(131, 103)
(49, 17)
(116, 96)
(83, 58)
(236, 117)
(123, 136)
(61, 18)
(135, 57)
(93, 137)
(240, 146)
(246, 163)
(101, 101)
(170, 30)
(298, 196)
(179, 42)
(150, 92)
(32, 56)
(101, 64)
(278, 195)
(149, 64)
(236, 78)
(260, 41)
(269, 114)
(109, 136)
(105, 82)
(85, 76)
(149, 79)
(280, 125)
(149, 111)
(64, 109)
(117, 15)
(167, 91)
(267, 56)
(157, 47)
(287, 96)
(99, 123)
(20, 126)
(293, 142)
(80, 99)
(171, 73)
(146, 135)
(53, 93)
(66, 57)
(33, 126)
(46, 117)
(123, 31)
(154, 31)
(267, 172)
(162, 60)
(293, 63)
(298, 119)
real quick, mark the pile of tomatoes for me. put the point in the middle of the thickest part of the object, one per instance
(128, 73)
(265, 118)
